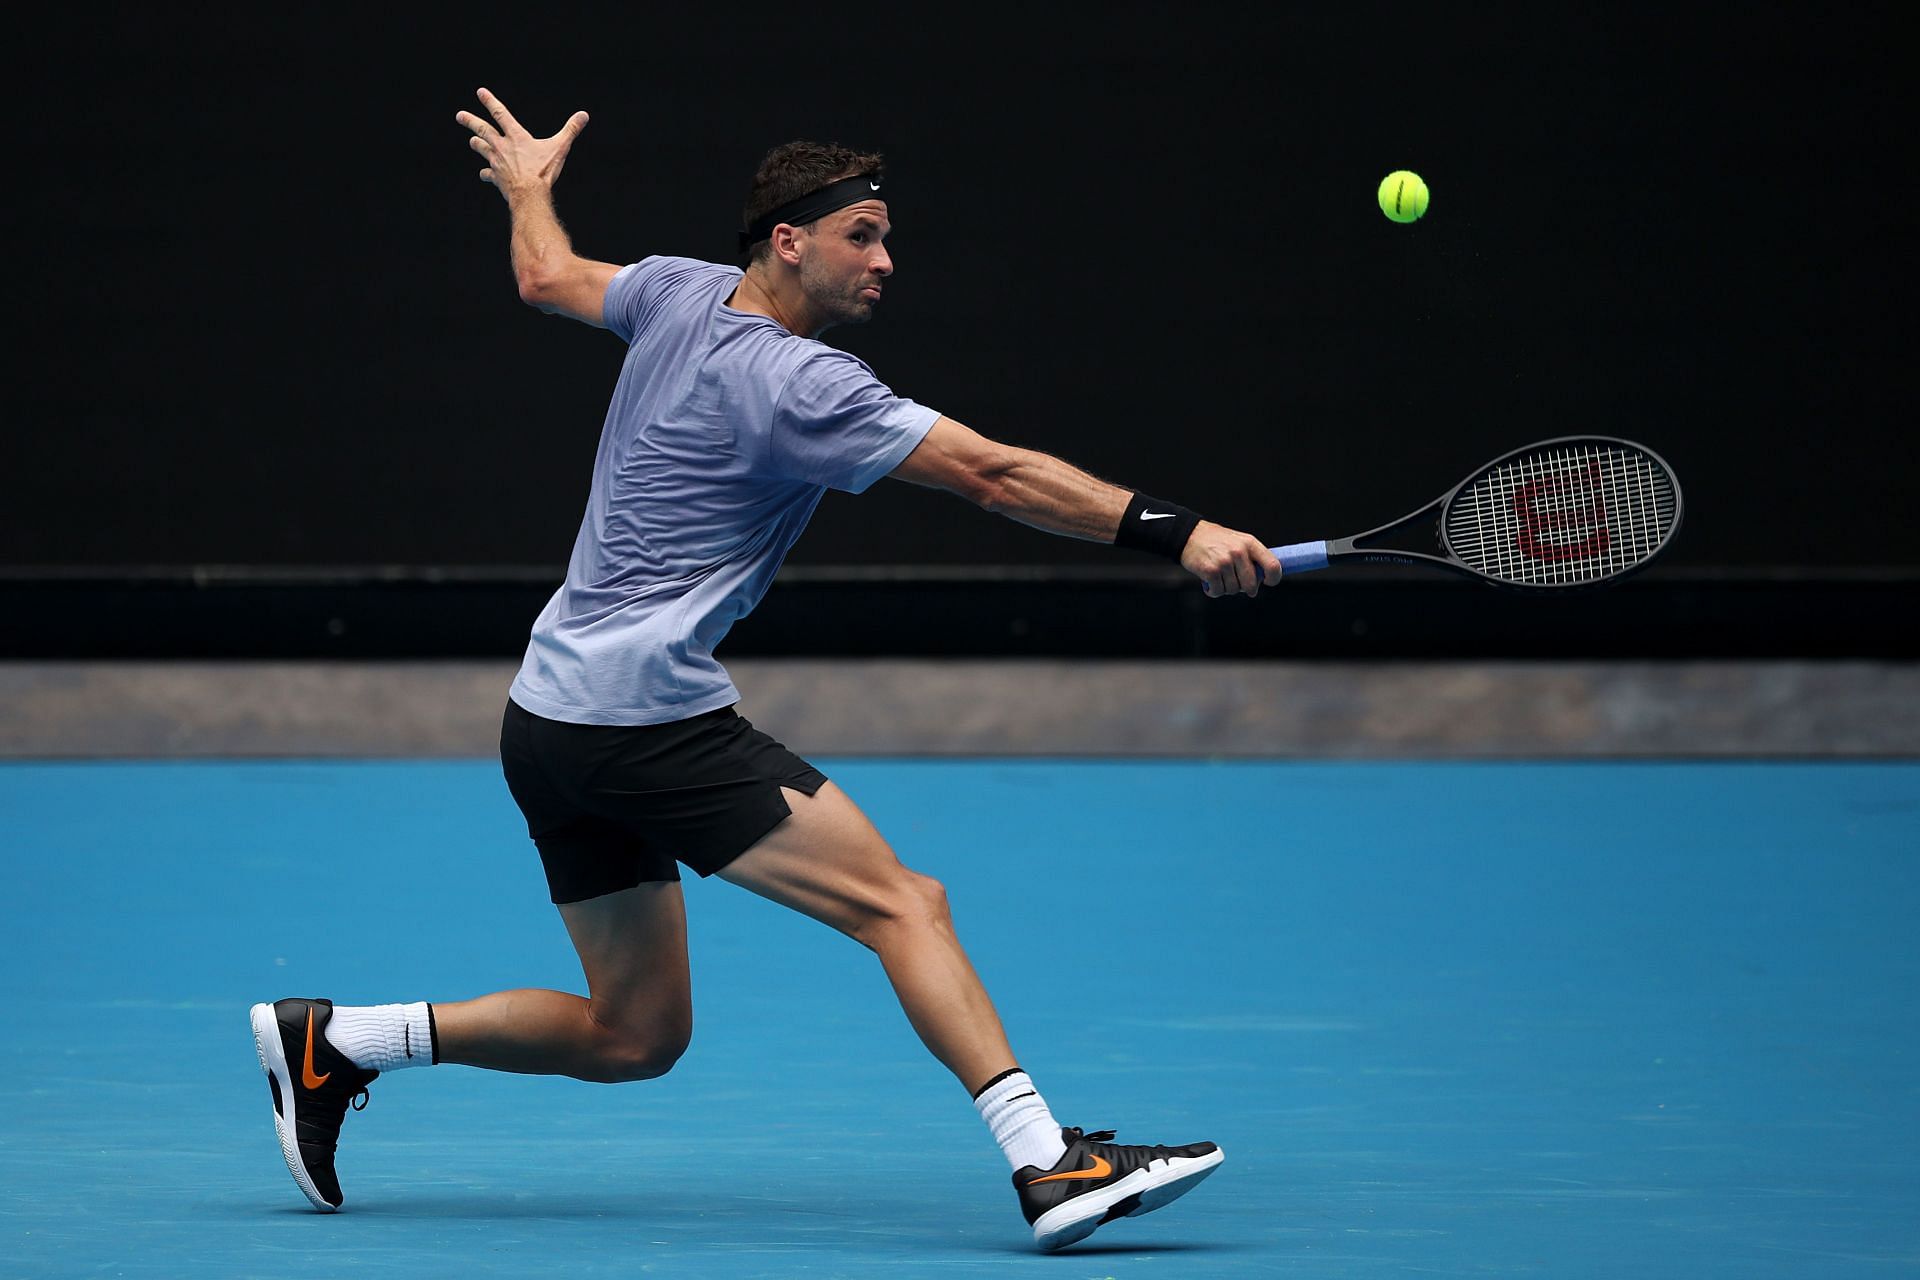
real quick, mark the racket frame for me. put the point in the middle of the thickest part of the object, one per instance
(1303, 556)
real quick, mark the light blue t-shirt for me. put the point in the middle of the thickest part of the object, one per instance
(724, 431)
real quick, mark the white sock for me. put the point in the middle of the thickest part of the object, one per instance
(1018, 1118)
(383, 1037)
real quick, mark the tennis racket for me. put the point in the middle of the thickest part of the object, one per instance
(1572, 512)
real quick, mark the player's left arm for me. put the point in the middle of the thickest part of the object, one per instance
(1047, 493)
(523, 168)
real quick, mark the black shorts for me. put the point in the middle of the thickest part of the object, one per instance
(613, 806)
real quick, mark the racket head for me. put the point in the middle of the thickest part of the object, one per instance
(1562, 514)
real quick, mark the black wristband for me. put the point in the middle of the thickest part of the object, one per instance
(1159, 527)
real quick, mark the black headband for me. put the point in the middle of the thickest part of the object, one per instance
(815, 204)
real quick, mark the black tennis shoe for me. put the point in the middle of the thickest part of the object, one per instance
(309, 1101)
(1097, 1181)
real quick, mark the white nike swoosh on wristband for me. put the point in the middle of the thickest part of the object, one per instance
(1156, 515)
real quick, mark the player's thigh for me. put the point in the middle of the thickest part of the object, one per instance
(633, 948)
(829, 862)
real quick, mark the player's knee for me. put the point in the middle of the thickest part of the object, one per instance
(930, 898)
(907, 902)
(643, 1060)
(642, 1054)
(917, 901)
(656, 1058)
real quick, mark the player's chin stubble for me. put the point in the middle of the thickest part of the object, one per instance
(839, 305)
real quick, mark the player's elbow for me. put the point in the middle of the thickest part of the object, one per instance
(536, 289)
(542, 284)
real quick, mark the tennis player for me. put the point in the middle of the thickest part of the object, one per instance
(621, 742)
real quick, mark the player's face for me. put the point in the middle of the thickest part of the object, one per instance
(846, 263)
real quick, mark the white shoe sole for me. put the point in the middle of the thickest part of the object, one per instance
(1157, 1185)
(273, 1061)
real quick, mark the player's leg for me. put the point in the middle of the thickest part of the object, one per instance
(829, 862)
(622, 906)
(633, 1023)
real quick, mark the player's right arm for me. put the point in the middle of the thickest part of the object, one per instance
(523, 168)
(1040, 490)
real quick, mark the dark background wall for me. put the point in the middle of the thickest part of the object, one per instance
(268, 318)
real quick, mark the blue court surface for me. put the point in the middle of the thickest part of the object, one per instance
(1446, 1020)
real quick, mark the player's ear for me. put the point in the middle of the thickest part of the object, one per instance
(786, 244)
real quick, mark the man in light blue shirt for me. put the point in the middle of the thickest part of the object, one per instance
(724, 431)
(620, 741)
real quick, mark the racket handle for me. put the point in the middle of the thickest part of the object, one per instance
(1299, 557)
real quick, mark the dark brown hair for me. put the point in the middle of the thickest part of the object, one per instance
(793, 169)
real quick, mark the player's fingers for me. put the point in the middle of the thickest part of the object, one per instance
(498, 110)
(1230, 577)
(468, 120)
(480, 144)
(571, 129)
(486, 176)
(1265, 565)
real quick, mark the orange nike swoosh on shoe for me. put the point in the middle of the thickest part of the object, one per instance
(307, 1077)
(1100, 1169)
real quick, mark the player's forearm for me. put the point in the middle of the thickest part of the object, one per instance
(1058, 497)
(540, 244)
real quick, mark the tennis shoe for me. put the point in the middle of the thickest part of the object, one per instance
(1098, 1180)
(310, 1099)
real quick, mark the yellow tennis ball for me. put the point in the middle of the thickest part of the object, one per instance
(1403, 196)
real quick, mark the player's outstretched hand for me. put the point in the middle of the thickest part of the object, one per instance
(515, 158)
(1228, 562)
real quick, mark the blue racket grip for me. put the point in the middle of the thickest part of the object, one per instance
(1299, 557)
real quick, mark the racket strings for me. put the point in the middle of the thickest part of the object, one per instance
(1564, 516)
